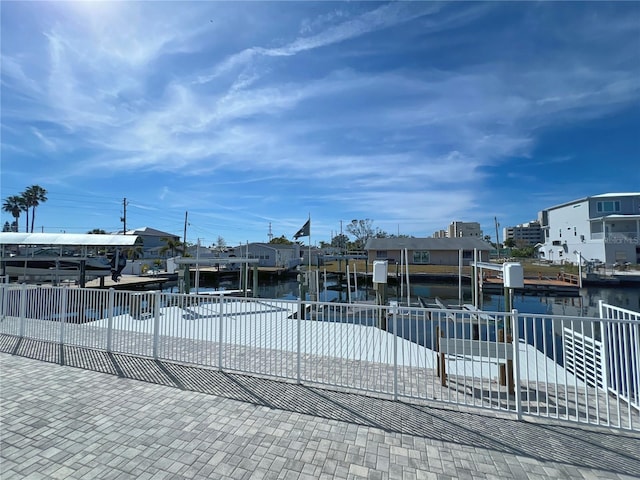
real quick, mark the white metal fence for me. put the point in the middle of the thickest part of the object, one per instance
(526, 364)
(620, 336)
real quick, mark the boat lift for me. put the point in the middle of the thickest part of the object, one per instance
(210, 262)
(16, 247)
(512, 276)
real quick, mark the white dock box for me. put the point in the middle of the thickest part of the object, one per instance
(513, 275)
(380, 271)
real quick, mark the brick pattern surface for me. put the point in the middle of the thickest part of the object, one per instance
(124, 417)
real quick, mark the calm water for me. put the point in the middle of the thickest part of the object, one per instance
(586, 304)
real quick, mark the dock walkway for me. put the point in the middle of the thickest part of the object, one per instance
(564, 284)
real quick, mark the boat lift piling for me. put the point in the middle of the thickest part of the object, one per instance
(209, 262)
(513, 277)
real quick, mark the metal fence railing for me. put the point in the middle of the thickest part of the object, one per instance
(620, 335)
(568, 368)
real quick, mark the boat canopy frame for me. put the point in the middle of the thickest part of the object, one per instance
(68, 239)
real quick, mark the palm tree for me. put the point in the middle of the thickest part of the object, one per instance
(172, 244)
(14, 204)
(34, 196)
(134, 252)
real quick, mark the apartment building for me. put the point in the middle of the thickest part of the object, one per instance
(529, 233)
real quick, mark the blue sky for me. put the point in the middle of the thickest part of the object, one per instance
(248, 114)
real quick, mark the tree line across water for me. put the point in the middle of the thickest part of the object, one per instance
(26, 201)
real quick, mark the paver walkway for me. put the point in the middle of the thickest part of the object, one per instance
(120, 417)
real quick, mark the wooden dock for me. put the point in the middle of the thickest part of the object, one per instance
(128, 282)
(565, 284)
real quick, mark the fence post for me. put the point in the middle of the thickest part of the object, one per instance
(62, 317)
(299, 343)
(395, 352)
(63, 313)
(604, 359)
(3, 303)
(23, 307)
(156, 322)
(515, 328)
(220, 332)
(110, 318)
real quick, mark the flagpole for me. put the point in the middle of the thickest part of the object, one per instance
(309, 220)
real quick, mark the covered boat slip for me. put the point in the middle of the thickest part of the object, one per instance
(53, 257)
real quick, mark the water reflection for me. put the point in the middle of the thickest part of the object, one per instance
(584, 305)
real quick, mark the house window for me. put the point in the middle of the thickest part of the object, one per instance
(421, 257)
(381, 254)
(608, 206)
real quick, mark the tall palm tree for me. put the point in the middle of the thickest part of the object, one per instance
(34, 196)
(172, 245)
(14, 204)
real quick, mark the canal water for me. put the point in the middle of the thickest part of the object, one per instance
(583, 305)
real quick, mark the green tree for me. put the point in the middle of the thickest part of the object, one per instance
(33, 197)
(525, 252)
(14, 204)
(6, 227)
(97, 231)
(362, 230)
(134, 252)
(509, 242)
(340, 241)
(281, 240)
(172, 245)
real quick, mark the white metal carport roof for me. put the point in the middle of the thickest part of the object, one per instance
(68, 239)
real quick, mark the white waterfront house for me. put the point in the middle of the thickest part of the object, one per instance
(601, 227)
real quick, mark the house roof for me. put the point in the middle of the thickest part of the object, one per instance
(615, 217)
(275, 246)
(68, 239)
(461, 243)
(151, 232)
(603, 195)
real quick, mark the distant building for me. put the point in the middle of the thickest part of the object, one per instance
(464, 229)
(271, 254)
(602, 227)
(152, 240)
(440, 234)
(529, 233)
(427, 251)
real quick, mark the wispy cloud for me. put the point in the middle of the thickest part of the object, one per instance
(406, 109)
(378, 19)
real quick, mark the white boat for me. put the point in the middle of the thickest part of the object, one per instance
(52, 262)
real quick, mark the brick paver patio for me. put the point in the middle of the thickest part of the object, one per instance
(119, 417)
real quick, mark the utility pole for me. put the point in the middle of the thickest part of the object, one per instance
(184, 241)
(123, 218)
(495, 219)
(270, 235)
